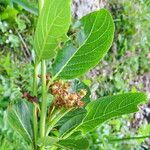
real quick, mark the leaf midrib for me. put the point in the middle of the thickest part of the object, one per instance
(23, 125)
(45, 39)
(78, 127)
(75, 51)
(135, 102)
(73, 125)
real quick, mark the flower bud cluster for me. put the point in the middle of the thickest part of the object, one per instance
(64, 98)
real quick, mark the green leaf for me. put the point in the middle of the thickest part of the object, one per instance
(73, 144)
(69, 115)
(72, 62)
(52, 26)
(9, 13)
(19, 118)
(28, 6)
(71, 120)
(75, 117)
(76, 143)
(108, 107)
(47, 141)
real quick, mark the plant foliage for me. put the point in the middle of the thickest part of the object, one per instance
(53, 24)
(71, 62)
(64, 121)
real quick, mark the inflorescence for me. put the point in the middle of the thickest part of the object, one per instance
(64, 98)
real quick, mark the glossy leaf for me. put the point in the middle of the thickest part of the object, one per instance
(52, 26)
(19, 118)
(108, 107)
(72, 62)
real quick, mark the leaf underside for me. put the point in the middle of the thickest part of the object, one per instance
(19, 119)
(72, 62)
(52, 26)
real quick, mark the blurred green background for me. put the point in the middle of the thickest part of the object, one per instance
(125, 68)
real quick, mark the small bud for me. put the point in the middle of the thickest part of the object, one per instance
(54, 87)
(66, 87)
(25, 95)
(39, 76)
(80, 103)
(73, 96)
(48, 77)
(65, 96)
(32, 99)
(82, 93)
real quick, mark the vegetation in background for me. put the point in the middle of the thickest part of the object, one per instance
(130, 62)
(127, 59)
